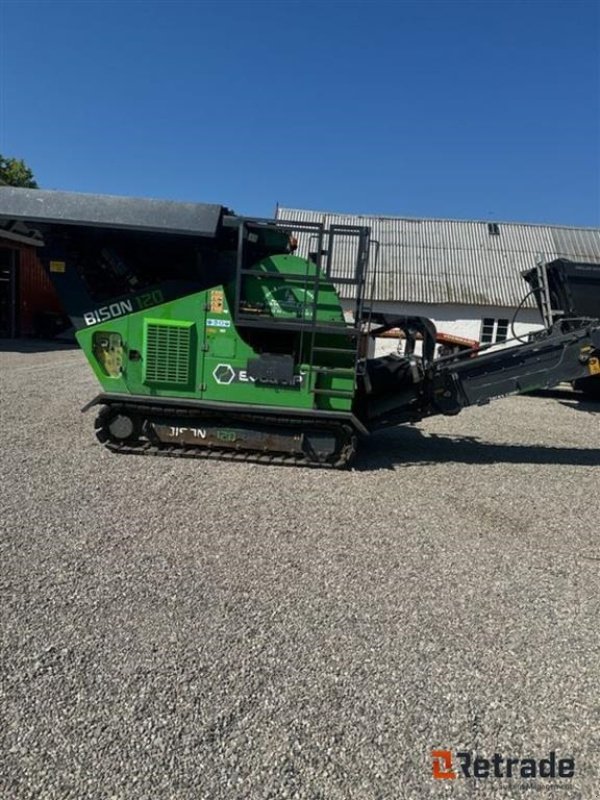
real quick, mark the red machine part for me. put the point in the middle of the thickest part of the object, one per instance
(447, 340)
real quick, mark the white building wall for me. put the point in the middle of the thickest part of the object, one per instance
(457, 319)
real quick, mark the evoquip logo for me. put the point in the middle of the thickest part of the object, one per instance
(226, 374)
(449, 765)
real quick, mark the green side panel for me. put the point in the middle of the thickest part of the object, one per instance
(162, 353)
(285, 297)
(226, 363)
(191, 348)
(287, 293)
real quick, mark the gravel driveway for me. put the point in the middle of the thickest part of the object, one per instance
(176, 629)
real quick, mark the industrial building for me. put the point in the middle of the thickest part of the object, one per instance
(463, 275)
(29, 305)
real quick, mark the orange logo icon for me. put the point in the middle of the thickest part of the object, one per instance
(441, 764)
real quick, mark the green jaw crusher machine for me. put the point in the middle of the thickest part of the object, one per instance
(211, 337)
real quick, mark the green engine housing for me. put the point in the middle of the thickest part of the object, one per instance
(192, 348)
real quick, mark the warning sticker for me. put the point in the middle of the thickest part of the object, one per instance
(216, 301)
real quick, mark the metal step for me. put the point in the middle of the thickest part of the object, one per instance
(344, 372)
(266, 322)
(333, 392)
(282, 277)
(342, 350)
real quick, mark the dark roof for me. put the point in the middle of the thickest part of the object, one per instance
(98, 210)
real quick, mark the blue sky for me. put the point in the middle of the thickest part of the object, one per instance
(484, 110)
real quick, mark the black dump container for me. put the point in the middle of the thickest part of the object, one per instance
(574, 288)
(573, 291)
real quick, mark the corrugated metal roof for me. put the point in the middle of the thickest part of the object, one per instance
(453, 261)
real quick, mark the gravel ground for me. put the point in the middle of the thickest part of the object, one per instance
(177, 629)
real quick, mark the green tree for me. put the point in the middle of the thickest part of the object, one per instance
(15, 172)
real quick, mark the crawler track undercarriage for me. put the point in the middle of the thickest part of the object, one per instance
(138, 428)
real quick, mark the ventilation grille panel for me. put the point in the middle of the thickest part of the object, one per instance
(168, 353)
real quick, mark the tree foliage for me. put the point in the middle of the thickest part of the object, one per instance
(15, 172)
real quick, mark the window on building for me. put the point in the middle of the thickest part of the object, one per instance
(487, 330)
(493, 229)
(493, 331)
(502, 330)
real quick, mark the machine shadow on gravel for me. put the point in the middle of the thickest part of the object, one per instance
(589, 406)
(575, 399)
(569, 399)
(36, 345)
(406, 447)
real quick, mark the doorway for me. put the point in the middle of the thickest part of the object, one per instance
(9, 292)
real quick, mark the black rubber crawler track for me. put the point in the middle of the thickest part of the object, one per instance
(150, 446)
